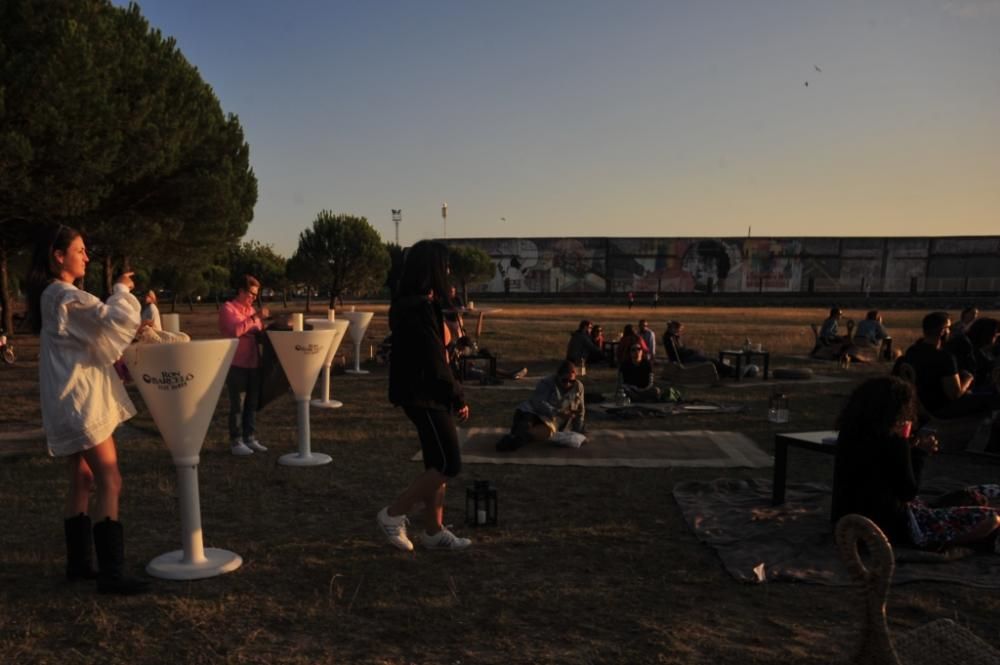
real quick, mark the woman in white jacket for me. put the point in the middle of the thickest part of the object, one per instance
(82, 398)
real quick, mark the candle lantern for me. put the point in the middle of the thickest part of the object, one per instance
(481, 504)
(777, 408)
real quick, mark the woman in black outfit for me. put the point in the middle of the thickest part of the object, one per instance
(877, 473)
(421, 381)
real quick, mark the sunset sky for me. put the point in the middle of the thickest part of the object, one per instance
(624, 118)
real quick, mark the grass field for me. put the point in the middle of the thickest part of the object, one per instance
(587, 565)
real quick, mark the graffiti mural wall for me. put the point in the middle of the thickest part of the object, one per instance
(734, 265)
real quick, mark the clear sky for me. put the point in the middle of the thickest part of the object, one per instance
(611, 118)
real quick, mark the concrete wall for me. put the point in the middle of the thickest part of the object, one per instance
(735, 265)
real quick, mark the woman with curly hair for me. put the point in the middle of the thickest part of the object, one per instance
(877, 473)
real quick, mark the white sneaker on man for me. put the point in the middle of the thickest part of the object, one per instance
(253, 444)
(443, 540)
(394, 529)
(240, 449)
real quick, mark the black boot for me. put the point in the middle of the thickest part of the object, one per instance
(109, 540)
(79, 549)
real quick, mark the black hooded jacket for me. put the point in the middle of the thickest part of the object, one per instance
(419, 375)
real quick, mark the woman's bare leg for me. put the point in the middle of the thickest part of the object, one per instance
(81, 484)
(425, 489)
(103, 462)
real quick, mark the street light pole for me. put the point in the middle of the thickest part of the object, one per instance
(397, 217)
(444, 218)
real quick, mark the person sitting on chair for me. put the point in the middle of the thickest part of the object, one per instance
(453, 307)
(873, 332)
(830, 327)
(597, 337)
(649, 337)
(637, 376)
(676, 352)
(973, 353)
(965, 321)
(581, 345)
(877, 471)
(945, 391)
(556, 406)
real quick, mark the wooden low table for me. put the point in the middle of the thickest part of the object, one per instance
(739, 356)
(804, 440)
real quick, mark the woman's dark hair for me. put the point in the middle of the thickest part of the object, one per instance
(628, 330)
(565, 367)
(875, 407)
(425, 269)
(872, 315)
(982, 331)
(43, 268)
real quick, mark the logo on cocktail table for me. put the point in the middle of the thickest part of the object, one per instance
(169, 380)
(309, 349)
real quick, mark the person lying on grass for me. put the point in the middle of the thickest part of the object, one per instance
(556, 406)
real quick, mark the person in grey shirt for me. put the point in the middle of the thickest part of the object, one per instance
(556, 406)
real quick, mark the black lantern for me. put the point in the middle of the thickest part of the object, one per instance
(481, 504)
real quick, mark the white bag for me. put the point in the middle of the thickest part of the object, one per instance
(567, 439)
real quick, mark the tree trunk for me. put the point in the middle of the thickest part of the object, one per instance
(173, 303)
(190, 303)
(284, 297)
(5, 299)
(465, 291)
(309, 293)
(217, 303)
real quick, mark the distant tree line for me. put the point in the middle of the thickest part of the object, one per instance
(106, 127)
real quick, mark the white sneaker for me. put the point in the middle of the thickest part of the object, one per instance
(394, 529)
(255, 445)
(443, 540)
(240, 449)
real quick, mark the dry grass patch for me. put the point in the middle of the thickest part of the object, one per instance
(587, 565)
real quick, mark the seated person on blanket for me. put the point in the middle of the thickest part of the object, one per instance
(944, 390)
(581, 346)
(637, 376)
(628, 339)
(828, 331)
(877, 470)
(463, 347)
(556, 406)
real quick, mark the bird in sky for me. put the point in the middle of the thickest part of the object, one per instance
(816, 67)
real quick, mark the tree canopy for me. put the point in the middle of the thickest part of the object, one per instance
(105, 126)
(469, 265)
(341, 253)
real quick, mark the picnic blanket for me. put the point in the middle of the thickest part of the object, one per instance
(666, 409)
(794, 541)
(771, 381)
(627, 448)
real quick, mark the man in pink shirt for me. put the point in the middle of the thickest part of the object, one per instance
(239, 319)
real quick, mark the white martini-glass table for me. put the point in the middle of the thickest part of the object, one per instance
(302, 353)
(181, 383)
(340, 329)
(359, 325)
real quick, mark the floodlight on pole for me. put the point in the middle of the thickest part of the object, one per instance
(397, 217)
(444, 218)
